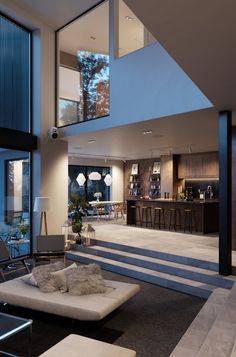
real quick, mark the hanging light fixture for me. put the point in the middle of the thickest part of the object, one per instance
(108, 180)
(95, 176)
(81, 179)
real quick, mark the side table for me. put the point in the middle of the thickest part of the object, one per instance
(11, 325)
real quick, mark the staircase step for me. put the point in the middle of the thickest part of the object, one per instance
(151, 276)
(192, 340)
(221, 338)
(172, 268)
(159, 255)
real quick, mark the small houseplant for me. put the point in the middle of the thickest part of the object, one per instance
(77, 210)
(23, 228)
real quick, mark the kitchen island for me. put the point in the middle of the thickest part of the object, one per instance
(205, 213)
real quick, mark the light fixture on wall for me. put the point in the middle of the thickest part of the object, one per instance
(42, 205)
(95, 176)
(81, 179)
(108, 180)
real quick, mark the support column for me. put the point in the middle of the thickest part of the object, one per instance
(225, 193)
(114, 29)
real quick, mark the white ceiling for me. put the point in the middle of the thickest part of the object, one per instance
(56, 13)
(201, 37)
(190, 132)
(77, 35)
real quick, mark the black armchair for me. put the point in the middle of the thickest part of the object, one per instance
(6, 261)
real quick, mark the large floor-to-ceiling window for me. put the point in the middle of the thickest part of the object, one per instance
(16, 140)
(15, 201)
(89, 188)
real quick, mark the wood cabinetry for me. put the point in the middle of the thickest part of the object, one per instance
(202, 165)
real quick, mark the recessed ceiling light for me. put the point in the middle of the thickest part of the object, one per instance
(129, 18)
(91, 141)
(92, 38)
(146, 132)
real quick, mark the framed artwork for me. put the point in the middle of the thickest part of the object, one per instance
(134, 170)
(156, 167)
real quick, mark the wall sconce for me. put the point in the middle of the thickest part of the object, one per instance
(42, 205)
(81, 179)
(95, 176)
(108, 180)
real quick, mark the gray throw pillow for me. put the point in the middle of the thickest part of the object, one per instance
(85, 280)
(60, 278)
(29, 279)
(45, 280)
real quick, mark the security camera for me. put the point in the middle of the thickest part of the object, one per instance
(53, 133)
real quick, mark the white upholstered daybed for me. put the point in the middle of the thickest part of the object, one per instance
(91, 307)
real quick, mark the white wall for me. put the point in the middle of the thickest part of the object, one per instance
(117, 172)
(144, 85)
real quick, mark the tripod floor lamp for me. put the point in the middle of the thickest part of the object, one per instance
(42, 205)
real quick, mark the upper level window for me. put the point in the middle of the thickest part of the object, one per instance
(83, 73)
(14, 76)
(132, 33)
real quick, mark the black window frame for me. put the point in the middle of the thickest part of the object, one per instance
(19, 140)
(57, 64)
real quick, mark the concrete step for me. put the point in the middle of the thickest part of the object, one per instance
(168, 267)
(198, 263)
(193, 339)
(220, 340)
(166, 280)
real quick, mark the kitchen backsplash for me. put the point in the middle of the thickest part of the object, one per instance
(202, 185)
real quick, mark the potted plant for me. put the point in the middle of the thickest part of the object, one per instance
(77, 210)
(23, 228)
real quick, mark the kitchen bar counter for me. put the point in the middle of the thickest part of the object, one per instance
(206, 212)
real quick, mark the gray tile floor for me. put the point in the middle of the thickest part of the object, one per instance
(203, 247)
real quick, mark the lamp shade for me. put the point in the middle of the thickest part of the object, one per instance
(81, 179)
(108, 180)
(95, 176)
(42, 204)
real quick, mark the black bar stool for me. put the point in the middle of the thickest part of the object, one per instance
(190, 220)
(136, 214)
(159, 217)
(146, 216)
(175, 219)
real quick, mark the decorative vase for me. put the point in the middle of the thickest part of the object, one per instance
(97, 199)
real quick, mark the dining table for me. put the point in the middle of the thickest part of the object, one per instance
(106, 207)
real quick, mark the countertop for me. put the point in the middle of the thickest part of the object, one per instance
(213, 200)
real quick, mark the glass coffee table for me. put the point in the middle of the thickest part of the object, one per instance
(11, 325)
